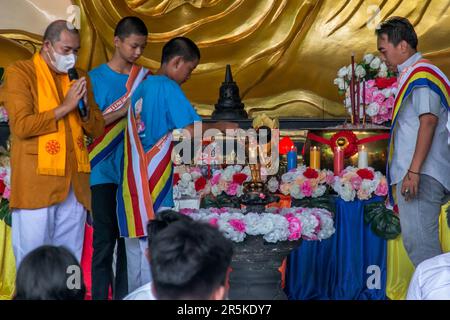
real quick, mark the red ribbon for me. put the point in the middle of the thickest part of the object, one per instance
(352, 147)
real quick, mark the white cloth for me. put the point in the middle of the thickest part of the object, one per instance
(431, 280)
(58, 225)
(138, 267)
(143, 293)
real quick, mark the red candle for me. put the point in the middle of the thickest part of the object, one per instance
(338, 160)
(352, 88)
(358, 101)
(364, 101)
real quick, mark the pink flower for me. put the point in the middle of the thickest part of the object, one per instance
(370, 83)
(382, 188)
(215, 179)
(299, 210)
(379, 98)
(219, 210)
(237, 225)
(370, 95)
(262, 196)
(232, 189)
(330, 178)
(187, 211)
(363, 194)
(356, 182)
(295, 227)
(306, 188)
(390, 102)
(213, 222)
(6, 193)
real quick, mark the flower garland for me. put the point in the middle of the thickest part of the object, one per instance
(288, 224)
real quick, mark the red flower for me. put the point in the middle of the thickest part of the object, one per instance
(200, 184)
(383, 83)
(239, 178)
(176, 178)
(311, 173)
(2, 187)
(348, 141)
(365, 174)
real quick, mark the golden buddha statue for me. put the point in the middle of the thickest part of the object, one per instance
(284, 53)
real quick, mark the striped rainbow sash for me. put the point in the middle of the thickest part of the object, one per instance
(147, 179)
(114, 133)
(421, 74)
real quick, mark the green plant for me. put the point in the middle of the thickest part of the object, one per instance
(383, 221)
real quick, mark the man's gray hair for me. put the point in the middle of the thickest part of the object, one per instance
(54, 30)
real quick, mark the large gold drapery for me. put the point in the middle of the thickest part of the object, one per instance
(284, 53)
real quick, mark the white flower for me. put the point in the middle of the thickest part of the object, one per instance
(372, 109)
(342, 72)
(295, 192)
(186, 177)
(368, 58)
(252, 222)
(215, 190)
(349, 69)
(386, 92)
(320, 190)
(382, 74)
(340, 83)
(360, 72)
(280, 231)
(273, 185)
(383, 67)
(375, 64)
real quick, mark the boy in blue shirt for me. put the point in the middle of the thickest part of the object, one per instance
(112, 84)
(163, 106)
(160, 105)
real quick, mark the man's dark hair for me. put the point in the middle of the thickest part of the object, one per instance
(189, 260)
(54, 30)
(182, 47)
(162, 220)
(398, 29)
(44, 273)
(130, 25)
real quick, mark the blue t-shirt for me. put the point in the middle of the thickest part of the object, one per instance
(164, 109)
(108, 86)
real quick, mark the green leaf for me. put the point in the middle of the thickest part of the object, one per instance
(325, 202)
(383, 222)
(5, 212)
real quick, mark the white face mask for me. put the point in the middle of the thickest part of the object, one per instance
(63, 63)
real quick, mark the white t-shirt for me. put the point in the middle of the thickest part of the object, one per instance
(143, 293)
(431, 280)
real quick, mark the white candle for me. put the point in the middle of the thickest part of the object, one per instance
(363, 161)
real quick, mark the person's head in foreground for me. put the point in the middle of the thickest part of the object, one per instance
(396, 41)
(50, 273)
(190, 261)
(180, 56)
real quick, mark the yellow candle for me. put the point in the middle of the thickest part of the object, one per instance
(314, 158)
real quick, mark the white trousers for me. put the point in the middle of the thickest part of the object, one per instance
(138, 267)
(59, 225)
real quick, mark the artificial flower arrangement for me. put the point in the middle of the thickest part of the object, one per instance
(306, 182)
(360, 183)
(218, 188)
(377, 88)
(274, 225)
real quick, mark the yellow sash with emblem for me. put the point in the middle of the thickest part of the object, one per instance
(52, 147)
